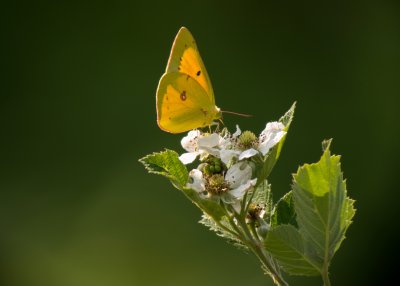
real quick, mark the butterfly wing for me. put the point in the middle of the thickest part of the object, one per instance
(185, 58)
(183, 104)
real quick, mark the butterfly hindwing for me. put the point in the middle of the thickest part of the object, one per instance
(183, 104)
(185, 58)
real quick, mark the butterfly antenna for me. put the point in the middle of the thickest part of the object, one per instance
(236, 113)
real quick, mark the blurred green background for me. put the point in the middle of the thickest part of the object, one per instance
(77, 110)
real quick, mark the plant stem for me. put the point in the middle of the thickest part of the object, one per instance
(228, 230)
(275, 275)
(255, 244)
(257, 247)
(325, 276)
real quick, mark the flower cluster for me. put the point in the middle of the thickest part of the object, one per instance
(230, 185)
(226, 170)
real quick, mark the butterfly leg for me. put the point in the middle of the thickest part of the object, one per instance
(220, 121)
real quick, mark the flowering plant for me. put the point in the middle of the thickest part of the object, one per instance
(298, 234)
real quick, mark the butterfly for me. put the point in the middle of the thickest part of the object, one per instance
(185, 98)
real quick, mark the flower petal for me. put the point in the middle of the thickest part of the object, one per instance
(237, 206)
(248, 153)
(227, 155)
(238, 174)
(189, 142)
(224, 142)
(270, 136)
(198, 181)
(237, 132)
(208, 141)
(187, 158)
(228, 199)
(242, 189)
(204, 151)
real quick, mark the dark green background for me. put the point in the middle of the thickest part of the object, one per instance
(78, 111)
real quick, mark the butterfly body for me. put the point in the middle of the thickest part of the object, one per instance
(185, 98)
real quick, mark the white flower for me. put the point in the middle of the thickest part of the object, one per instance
(269, 137)
(237, 132)
(209, 143)
(189, 142)
(198, 144)
(226, 155)
(198, 183)
(227, 145)
(248, 153)
(238, 177)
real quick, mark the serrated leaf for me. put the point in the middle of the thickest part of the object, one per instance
(348, 213)
(167, 164)
(284, 212)
(287, 118)
(286, 245)
(323, 214)
(210, 223)
(210, 207)
(272, 156)
(262, 196)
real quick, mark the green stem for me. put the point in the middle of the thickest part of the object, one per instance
(254, 243)
(257, 247)
(228, 230)
(325, 276)
(254, 231)
(275, 275)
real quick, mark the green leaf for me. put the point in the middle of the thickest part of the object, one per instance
(284, 212)
(347, 214)
(272, 156)
(323, 214)
(208, 206)
(262, 196)
(231, 238)
(286, 245)
(167, 164)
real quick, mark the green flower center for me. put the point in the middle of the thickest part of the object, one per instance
(247, 140)
(216, 184)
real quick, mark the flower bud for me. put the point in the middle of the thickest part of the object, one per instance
(263, 228)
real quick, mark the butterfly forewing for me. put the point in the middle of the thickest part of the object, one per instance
(182, 104)
(185, 58)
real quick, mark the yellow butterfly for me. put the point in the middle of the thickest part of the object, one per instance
(185, 98)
